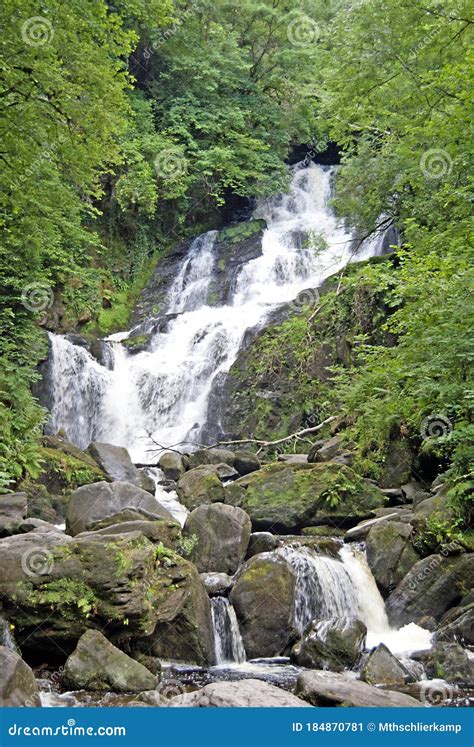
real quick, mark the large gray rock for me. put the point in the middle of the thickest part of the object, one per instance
(199, 486)
(160, 530)
(96, 664)
(222, 534)
(102, 503)
(17, 684)
(13, 508)
(326, 451)
(247, 693)
(262, 542)
(208, 456)
(285, 497)
(390, 553)
(430, 588)
(334, 644)
(246, 462)
(217, 584)
(116, 463)
(263, 598)
(382, 668)
(331, 689)
(172, 465)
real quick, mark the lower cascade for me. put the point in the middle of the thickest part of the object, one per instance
(228, 646)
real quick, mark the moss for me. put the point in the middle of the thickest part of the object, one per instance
(241, 231)
(65, 595)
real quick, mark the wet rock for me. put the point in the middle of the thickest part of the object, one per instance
(208, 456)
(116, 464)
(262, 542)
(247, 693)
(381, 667)
(222, 533)
(246, 462)
(331, 689)
(286, 497)
(172, 465)
(13, 508)
(458, 625)
(18, 684)
(226, 472)
(153, 698)
(390, 553)
(96, 664)
(263, 599)
(335, 644)
(199, 486)
(447, 661)
(322, 531)
(293, 458)
(397, 465)
(95, 506)
(430, 587)
(217, 584)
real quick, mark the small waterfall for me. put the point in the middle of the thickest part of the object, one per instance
(6, 637)
(228, 645)
(327, 587)
(161, 394)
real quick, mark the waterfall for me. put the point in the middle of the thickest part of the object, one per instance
(161, 394)
(228, 645)
(167, 498)
(345, 587)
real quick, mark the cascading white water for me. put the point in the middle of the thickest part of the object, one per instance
(164, 391)
(228, 645)
(167, 498)
(328, 587)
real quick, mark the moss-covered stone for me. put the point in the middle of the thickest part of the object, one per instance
(240, 231)
(286, 497)
(200, 485)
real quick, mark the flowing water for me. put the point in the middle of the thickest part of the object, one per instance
(161, 394)
(228, 645)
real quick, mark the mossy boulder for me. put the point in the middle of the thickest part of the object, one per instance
(285, 497)
(159, 531)
(222, 536)
(200, 485)
(335, 644)
(263, 597)
(447, 661)
(390, 553)
(115, 462)
(172, 465)
(208, 456)
(55, 587)
(96, 664)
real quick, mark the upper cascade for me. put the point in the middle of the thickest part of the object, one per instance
(160, 395)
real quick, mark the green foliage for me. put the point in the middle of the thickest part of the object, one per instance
(186, 545)
(64, 593)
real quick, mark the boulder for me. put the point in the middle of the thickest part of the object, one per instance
(430, 588)
(96, 664)
(223, 534)
(115, 462)
(200, 485)
(360, 531)
(263, 598)
(6, 637)
(160, 530)
(262, 542)
(217, 584)
(226, 472)
(13, 508)
(397, 465)
(331, 689)
(17, 685)
(293, 458)
(287, 497)
(458, 625)
(447, 661)
(322, 531)
(390, 553)
(326, 451)
(122, 584)
(246, 462)
(102, 503)
(248, 693)
(172, 465)
(381, 667)
(335, 644)
(208, 456)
